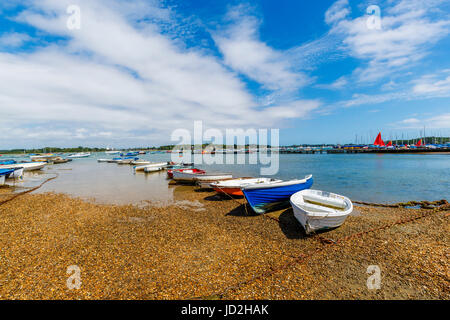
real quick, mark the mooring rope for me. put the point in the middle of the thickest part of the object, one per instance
(441, 205)
(29, 190)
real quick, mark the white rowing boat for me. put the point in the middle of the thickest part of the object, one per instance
(202, 176)
(320, 210)
(27, 166)
(151, 164)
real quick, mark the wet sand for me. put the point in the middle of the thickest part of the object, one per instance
(206, 246)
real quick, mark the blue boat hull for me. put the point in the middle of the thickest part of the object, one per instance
(267, 199)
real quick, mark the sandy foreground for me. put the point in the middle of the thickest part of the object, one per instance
(207, 247)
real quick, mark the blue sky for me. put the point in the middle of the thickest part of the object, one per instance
(135, 71)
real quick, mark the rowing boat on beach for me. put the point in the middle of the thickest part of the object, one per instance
(149, 165)
(319, 210)
(268, 196)
(153, 169)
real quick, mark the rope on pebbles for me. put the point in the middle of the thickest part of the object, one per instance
(28, 191)
(434, 206)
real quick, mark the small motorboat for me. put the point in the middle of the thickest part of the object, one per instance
(268, 196)
(151, 164)
(79, 155)
(103, 160)
(112, 152)
(320, 210)
(234, 186)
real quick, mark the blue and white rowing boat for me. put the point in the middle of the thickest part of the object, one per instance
(268, 196)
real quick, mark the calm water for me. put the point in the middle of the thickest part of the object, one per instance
(369, 177)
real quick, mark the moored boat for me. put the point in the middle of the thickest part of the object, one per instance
(153, 169)
(186, 175)
(151, 164)
(27, 166)
(79, 155)
(318, 210)
(268, 196)
(170, 171)
(234, 186)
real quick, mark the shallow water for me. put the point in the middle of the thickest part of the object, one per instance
(383, 178)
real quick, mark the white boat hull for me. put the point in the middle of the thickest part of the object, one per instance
(316, 217)
(156, 164)
(26, 166)
(2, 180)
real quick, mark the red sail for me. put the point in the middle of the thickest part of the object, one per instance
(379, 141)
(389, 144)
(419, 144)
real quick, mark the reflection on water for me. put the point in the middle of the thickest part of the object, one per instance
(368, 177)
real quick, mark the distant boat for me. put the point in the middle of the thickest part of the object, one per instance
(79, 155)
(273, 195)
(234, 187)
(319, 210)
(112, 152)
(103, 160)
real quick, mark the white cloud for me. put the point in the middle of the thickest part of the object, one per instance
(435, 85)
(441, 121)
(13, 39)
(121, 80)
(405, 38)
(337, 12)
(244, 52)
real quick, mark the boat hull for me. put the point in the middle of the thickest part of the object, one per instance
(313, 217)
(273, 197)
(230, 191)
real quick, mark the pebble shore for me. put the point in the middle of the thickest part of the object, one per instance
(205, 246)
